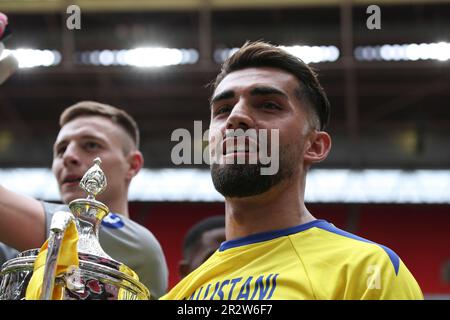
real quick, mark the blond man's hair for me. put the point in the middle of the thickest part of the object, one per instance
(93, 108)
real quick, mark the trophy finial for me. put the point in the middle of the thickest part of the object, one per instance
(94, 180)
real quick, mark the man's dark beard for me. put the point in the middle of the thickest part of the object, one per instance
(244, 180)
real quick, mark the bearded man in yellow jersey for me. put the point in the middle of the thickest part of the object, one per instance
(275, 248)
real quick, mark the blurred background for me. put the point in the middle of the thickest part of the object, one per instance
(387, 177)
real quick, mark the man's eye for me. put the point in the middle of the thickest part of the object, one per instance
(223, 109)
(91, 145)
(270, 105)
(60, 150)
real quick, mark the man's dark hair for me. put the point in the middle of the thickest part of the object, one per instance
(262, 54)
(195, 233)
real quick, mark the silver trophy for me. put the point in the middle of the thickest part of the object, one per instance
(98, 276)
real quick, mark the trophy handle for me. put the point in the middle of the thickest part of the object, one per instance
(58, 226)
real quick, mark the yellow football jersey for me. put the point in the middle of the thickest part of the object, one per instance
(315, 260)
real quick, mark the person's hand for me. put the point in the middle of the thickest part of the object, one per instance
(9, 64)
(3, 24)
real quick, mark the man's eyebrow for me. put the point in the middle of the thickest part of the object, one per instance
(59, 143)
(257, 91)
(262, 91)
(85, 136)
(227, 94)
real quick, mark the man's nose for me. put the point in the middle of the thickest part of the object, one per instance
(71, 156)
(240, 117)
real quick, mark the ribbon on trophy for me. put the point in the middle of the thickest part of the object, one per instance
(67, 258)
(123, 294)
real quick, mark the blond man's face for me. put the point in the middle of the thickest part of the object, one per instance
(78, 143)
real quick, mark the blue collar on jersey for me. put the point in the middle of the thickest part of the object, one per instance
(269, 235)
(319, 223)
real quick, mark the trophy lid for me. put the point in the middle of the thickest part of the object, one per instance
(89, 212)
(94, 180)
(94, 183)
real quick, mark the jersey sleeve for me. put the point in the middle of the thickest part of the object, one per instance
(137, 247)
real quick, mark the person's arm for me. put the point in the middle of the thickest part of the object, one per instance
(22, 220)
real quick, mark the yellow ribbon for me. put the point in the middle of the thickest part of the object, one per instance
(124, 294)
(68, 256)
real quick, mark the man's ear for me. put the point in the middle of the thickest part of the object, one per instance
(136, 162)
(183, 268)
(318, 147)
